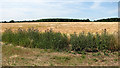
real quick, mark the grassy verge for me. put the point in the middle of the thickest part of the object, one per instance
(20, 56)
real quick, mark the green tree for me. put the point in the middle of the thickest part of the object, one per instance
(12, 21)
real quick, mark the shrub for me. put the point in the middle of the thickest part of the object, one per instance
(107, 41)
(90, 43)
(55, 40)
(34, 39)
(93, 43)
(78, 42)
(7, 36)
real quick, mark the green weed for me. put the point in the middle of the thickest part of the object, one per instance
(57, 41)
(95, 60)
(83, 57)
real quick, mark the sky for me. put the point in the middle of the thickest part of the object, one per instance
(19, 10)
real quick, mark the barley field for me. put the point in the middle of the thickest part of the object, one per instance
(65, 27)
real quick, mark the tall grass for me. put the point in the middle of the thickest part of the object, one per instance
(55, 40)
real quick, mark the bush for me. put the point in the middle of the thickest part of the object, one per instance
(51, 40)
(93, 43)
(7, 36)
(78, 42)
(34, 39)
(107, 41)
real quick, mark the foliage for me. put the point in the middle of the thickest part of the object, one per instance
(93, 43)
(57, 41)
(65, 20)
(108, 20)
(95, 59)
(12, 21)
(78, 42)
(34, 39)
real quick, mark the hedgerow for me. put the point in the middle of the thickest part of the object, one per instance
(34, 39)
(93, 42)
(57, 41)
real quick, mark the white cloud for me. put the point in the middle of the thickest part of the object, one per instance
(19, 11)
(96, 5)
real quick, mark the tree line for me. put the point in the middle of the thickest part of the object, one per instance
(66, 20)
(108, 20)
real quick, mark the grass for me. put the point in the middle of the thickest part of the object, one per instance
(28, 56)
(51, 64)
(22, 58)
(98, 54)
(95, 60)
(94, 54)
(115, 59)
(83, 57)
(61, 59)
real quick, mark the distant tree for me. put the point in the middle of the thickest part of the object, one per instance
(108, 20)
(12, 21)
(67, 20)
(4, 22)
(88, 20)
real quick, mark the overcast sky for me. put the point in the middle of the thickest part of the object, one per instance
(37, 9)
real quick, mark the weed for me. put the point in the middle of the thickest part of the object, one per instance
(106, 53)
(34, 39)
(73, 52)
(83, 52)
(45, 50)
(14, 64)
(22, 58)
(65, 58)
(94, 54)
(79, 52)
(78, 42)
(51, 64)
(69, 51)
(115, 59)
(83, 56)
(95, 60)
(98, 54)
(59, 42)
(92, 43)
(115, 53)
(89, 62)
